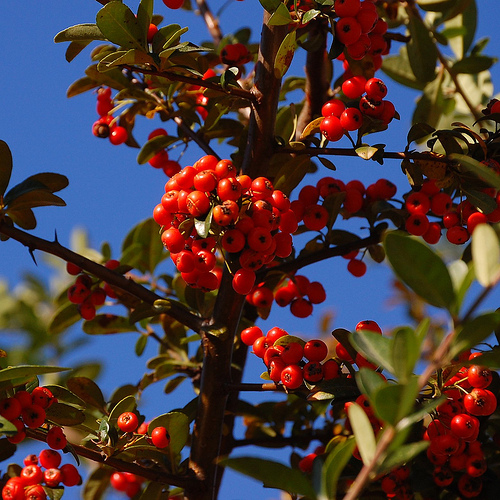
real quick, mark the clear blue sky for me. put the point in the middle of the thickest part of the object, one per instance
(109, 191)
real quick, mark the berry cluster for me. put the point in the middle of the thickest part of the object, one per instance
(207, 207)
(126, 482)
(161, 159)
(105, 126)
(360, 29)
(27, 410)
(289, 360)
(88, 293)
(459, 219)
(29, 485)
(366, 99)
(201, 100)
(454, 449)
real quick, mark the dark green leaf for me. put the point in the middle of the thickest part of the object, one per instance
(481, 200)
(271, 474)
(64, 317)
(80, 86)
(74, 48)
(474, 332)
(374, 347)
(363, 432)
(405, 353)
(107, 324)
(177, 425)
(473, 64)
(36, 198)
(128, 403)
(270, 5)
(144, 16)
(113, 78)
(420, 268)
(22, 188)
(88, 391)
(477, 168)
(172, 384)
(7, 449)
(97, 483)
(339, 389)
(369, 381)
(431, 104)
(435, 5)
(421, 42)
(153, 491)
(63, 414)
(23, 218)
(334, 464)
(5, 166)
(80, 33)
(418, 131)
(393, 402)
(403, 455)
(140, 344)
(398, 68)
(327, 163)
(63, 395)
(120, 26)
(153, 146)
(28, 371)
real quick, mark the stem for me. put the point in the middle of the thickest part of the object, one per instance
(211, 21)
(195, 137)
(117, 280)
(270, 386)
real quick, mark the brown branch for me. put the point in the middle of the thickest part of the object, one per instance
(109, 276)
(204, 146)
(210, 20)
(151, 473)
(177, 77)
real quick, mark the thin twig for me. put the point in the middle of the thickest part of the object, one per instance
(211, 21)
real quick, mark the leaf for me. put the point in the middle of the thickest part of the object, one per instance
(366, 152)
(74, 48)
(80, 86)
(7, 427)
(141, 344)
(403, 455)
(405, 353)
(419, 131)
(88, 391)
(270, 5)
(473, 64)
(28, 371)
(399, 69)
(477, 168)
(271, 474)
(486, 255)
(153, 491)
(374, 347)
(97, 483)
(120, 26)
(311, 128)
(177, 425)
(369, 381)
(23, 218)
(80, 33)
(63, 395)
(474, 332)
(338, 389)
(285, 53)
(281, 16)
(363, 432)
(63, 318)
(153, 146)
(107, 324)
(467, 22)
(420, 268)
(144, 16)
(435, 5)
(128, 403)
(63, 414)
(36, 198)
(393, 402)
(334, 464)
(424, 68)
(5, 166)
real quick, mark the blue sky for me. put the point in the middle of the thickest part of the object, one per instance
(109, 191)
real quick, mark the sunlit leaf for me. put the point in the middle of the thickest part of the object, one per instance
(363, 432)
(374, 347)
(281, 16)
(285, 53)
(63, 414)
(144, 16)
(28, 371)
(177, 425)
(420, 268)
(334, 464)
(486, 255)
(80, 33)
(271, 474)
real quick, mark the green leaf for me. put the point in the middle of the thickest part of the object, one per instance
(7, 427)
(63, 414)
(285, 53)
(177, 425)
(141, 344)
(477, 168)
(338, 389)
(153, 146)
(419, 131)
(481, 200)
(63, 318)
(131, 57)
(63, 395)
(80, 33)
(399, 69)
(281, 16)
(374, 347)
(393, 402)
(271, 474)
(128, 403)
(270, 5)
(435, 5)
(424, 68)
(28, 371)
(88, 391)
(23, 218)
(97, 483)
(334, 464)
(473, 64)
(363, 432)
(120, 26)
(404, 454)
(420, 268)
(153, 491)
(74, 48)
(405, 353)
(5, 166)
(369, 381)
(467, 23)
(36, 198)
(474, 332)
(486, 255)
(431, 105)
(108, 324)
(80, 86)
(144, 16)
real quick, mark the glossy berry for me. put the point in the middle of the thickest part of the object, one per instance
(49, 458)
(33, 416)
(347, 30)
(118, 135)
(376, 89)
(160, 437)
(354, 87)
(292, 377)
(174, 4)
(331, 128)
(315, 350)
(128, 421)
(56, 438)
(71, 476)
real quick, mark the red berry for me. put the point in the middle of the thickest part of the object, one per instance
(457, 235)
(376, 89)
(33, 416)
(291, 377)
(243, 281)
(174, 4)
(351, 119)
(331, 128)
(10, 408)
(160, 437)
(49, 458)
(356, 267)
(128, 421)
(301, 307)
(354, 87)
(118, 135)
(71, 476)
(315, 350)
(56, 438)
(347, 30)
(347, 8)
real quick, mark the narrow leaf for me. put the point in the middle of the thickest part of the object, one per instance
(374, 347)
(363, 432)
(402, 455)
(5, 166)
(106, 324)
(285, 53)
(80, 33)
(405, 353)
(486, 255)
(333, 467)
(477, 168)
(28, 371)
(420, 268)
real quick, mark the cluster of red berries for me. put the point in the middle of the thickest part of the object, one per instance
(126, 482)
(459, 220)
(27, 410)
(297, 292)
(360, 29)
(366, 100)
(201, 100)
(454, 449)
(129, 422)
(249, 220)
(29, 484)
(289, 360)
(88, 293)
(161, 159)
(105, 126)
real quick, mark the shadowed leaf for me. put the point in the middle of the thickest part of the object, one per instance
(5, 166)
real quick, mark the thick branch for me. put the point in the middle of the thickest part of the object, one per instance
(114, 279)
